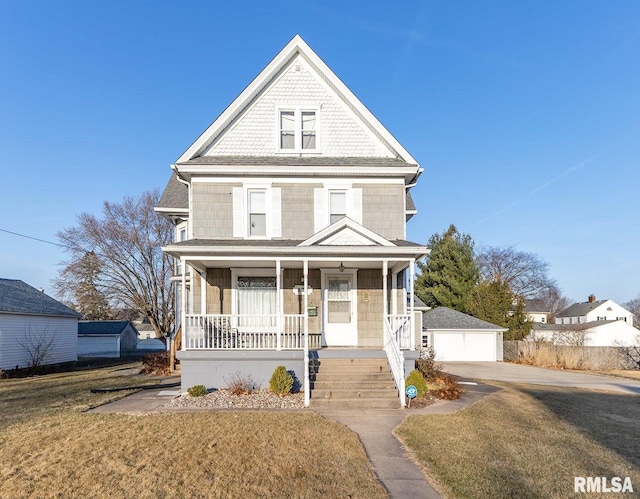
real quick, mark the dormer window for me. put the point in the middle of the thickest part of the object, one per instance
(297, 130)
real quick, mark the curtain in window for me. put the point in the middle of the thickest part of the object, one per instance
(257, 213)
(338, 206)
(287, 130)
(308, 130)
(257, 297)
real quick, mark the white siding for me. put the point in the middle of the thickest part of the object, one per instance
(16, 329)
(340, 134)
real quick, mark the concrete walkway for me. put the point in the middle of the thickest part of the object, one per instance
(518, 373)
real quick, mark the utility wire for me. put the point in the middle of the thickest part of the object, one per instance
(35, 238)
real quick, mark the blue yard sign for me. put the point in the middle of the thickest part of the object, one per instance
(412, 392)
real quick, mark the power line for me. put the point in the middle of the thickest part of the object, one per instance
(35, 238)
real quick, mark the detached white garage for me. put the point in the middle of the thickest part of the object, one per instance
(460, 337)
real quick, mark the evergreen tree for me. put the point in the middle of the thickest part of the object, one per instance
(449, 273)
(492, 301)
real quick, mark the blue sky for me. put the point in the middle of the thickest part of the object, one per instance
(524, 115)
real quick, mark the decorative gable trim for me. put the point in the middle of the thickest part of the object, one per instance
(296, 46)
(346, 232)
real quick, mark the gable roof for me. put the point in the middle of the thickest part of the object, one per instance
(296, 47)
(446, 318)
(353, 232)
(103, 327)
(535, 305)
(580, 309)
(20, 298)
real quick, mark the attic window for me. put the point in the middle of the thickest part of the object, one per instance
(298, 130)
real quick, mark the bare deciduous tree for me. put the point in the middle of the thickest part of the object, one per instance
(554, 301)
(525, 273)
(133, 270)
(38, 345)
(633, 306)
(572, 335)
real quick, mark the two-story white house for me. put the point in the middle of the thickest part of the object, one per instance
(290, 213)
(590, 323)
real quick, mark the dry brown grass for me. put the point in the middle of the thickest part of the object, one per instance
(622, 373)
(529, 441)
(55, 450)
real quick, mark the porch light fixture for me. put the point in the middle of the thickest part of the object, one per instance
(341, 267)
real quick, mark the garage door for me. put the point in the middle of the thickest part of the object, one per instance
(465, 346)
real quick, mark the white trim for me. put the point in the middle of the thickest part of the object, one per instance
(297, 110)
(326, 272)
(296, 46)
(341, 224)
(326, 181)
(294, 170)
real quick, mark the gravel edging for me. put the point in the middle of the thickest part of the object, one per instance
(224, 399)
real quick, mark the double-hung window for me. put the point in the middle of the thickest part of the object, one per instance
(337, 206)
(257, 206)
(298, 130)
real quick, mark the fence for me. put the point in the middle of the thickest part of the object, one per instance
(546, 354)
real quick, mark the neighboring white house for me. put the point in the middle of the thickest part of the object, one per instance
(290, 213)
(536, 311)
(590, 323)
(594, 310)
(106, 338)
(460, 337)
(31, 320)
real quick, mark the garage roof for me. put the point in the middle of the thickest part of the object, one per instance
(446, 318)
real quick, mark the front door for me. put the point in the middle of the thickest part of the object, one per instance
(339, 319)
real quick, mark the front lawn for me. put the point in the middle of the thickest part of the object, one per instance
(529, 441)
(51, 448)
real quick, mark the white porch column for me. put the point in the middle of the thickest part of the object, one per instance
(183, 302)
(307, 384)
(385, 291)
(394, 291)
(279, 308)
(203, 292)
(412, 273)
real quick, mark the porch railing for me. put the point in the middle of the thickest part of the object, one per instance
(397, 336)
(247, 332)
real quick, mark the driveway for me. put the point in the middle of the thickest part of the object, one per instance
(518, 373)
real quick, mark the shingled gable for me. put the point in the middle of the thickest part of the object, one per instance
(346, 232)
(295, 50)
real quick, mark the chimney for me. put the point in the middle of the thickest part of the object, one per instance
(592, 298)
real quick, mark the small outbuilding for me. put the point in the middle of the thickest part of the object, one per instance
(111, 339)
(460, 337)
(35, 329)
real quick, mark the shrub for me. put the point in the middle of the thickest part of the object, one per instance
(427, 365)
(156, 364)
(281, 381)
(197, 391)
(240, 384)
(416, 379)
(451, 389)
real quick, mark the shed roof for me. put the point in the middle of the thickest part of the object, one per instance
(175, 195)
(18, 297)
(446, 318)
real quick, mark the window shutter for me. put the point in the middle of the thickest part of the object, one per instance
(276, 213)
(320, 218)
(355, 213)
(238, 212)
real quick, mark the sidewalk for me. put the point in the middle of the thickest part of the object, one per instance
(397, 471)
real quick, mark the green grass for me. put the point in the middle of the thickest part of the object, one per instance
(529, 441)
(50, 447)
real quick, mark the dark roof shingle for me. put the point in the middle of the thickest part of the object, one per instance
(446, 318)
(175, 195)
(20, 298)
(295, 161)
(102, 327)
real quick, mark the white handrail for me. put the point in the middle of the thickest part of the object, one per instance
(396, 360)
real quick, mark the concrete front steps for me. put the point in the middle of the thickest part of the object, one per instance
(353, 383)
